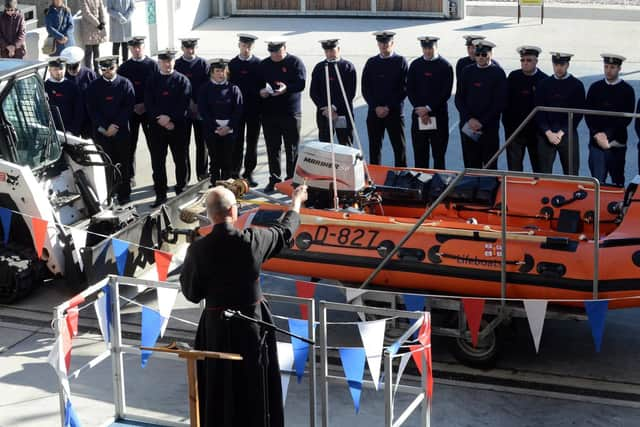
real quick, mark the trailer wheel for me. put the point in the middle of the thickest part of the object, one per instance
(484, 355)
(17, 276)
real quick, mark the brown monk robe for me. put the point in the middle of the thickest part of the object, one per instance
(224, 268)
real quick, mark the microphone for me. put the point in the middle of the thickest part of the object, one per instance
(228, 314)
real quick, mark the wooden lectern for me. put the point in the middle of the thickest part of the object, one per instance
(191, 357)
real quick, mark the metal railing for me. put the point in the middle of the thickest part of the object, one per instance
(503, 212)
(116, 349)
(570, 136)
(326, 378)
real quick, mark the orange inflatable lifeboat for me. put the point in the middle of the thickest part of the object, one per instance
(556, 229)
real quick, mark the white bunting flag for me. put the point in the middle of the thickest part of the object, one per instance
(372, 334)
(404, 359)
(536, 312)
(56, 360)
(79, 237)
(285, 359)
(166, 301)
(102, 314)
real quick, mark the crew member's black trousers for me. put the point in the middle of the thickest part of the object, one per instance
(248, 126)
(221, 154)
(202, 158)
(163, 140)
(435, 140)
(393, 123)
(279, 128)
(523, 142)
(547, 154)
(137, 121)
(476, 153)
(344, 135)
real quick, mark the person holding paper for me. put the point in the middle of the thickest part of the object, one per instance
(166, 99)
(223, 268)
(608, 142)
(481, 98)
(318, 91)
(429, 85)
(560, 90)
(220, 105)
(283, 80)
(384, 80)
(244, 72)
(521, 89)
(110, 100)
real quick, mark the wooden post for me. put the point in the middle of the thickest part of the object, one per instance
(192, 356)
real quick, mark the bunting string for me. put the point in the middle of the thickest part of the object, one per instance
(188, 322)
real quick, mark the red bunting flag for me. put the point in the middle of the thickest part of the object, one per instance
(65, 334)
(424, 337)
(39, 226)
(305, 290)
(473, 309)
(72, 321)
(163, 259)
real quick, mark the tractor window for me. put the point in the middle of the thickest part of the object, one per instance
(26, 108)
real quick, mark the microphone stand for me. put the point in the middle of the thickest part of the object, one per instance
(262, 359)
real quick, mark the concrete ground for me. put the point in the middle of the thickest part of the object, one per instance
(28, 386)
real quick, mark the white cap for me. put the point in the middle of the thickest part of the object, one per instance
(72, 54)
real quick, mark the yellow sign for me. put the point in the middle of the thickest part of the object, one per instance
(531, 2)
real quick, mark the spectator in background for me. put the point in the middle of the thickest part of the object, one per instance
(12, 31)
(120, 32)
(92, 30)
(59, 23)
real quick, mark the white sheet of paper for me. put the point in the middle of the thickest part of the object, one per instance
(432, 125)
(616, 144)
(269, 88)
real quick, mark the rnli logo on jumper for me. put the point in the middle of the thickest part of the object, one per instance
(58, 94)
(189, 75)
(428, 74)
(284, 69)
(477, 84)
(525, 92)
(137, 82)
(165, 93)
(108, 98)
(243, 71)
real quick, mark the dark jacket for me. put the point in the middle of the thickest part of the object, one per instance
(318, 90)
(290, 71)
(429, 83)
(59, 23)
(219, 102)
(482, 95)
(12, 32)
(554, 92)
(384, 82)
(110, 103)
(167, 94)
(618, 97)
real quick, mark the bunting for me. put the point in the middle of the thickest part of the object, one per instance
(102, 307)
(372, 335)
(285, 359)
(404, 360)
(121, 253)
(70, 417)
(79, 237)
(536, 312)
(414, 303)
(151, 325)
(473, 309)
(353, 365)
(56, 360)
(300, 348)
(305, 290)
(5, 218)
(597, 312)
(73, 315)
(39, 234)
(163, 259)
(166, 301)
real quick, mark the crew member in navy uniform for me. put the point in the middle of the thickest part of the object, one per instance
(465, 61)
(220, 105)
(110, 99)
(521, 89)
(283, 80)
(223, 268)
(318, 91)
(77, 73)
(384, 80)
(244, 72)
(138, 69)
(429, 85)
(166, 100)
(195, 68)
(608, 135)
(65, 95)
(560, 90)
(481, 98)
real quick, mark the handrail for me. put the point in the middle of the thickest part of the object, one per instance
(503, 213)
(570, 112)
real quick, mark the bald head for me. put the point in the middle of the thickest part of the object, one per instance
(220, 203)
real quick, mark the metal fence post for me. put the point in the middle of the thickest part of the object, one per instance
(596, 240)
(312, 368)
(120, 404)
(324, 393)
(57, 316)
(425, 403)
(388, 389)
